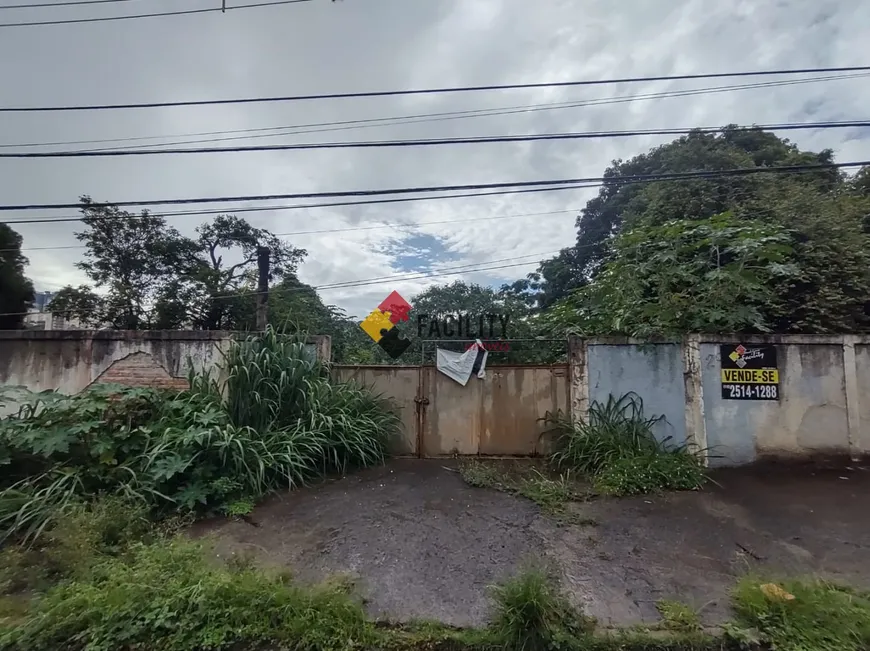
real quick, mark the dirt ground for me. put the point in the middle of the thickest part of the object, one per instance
(422, 544)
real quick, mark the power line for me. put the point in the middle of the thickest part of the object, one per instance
(425, 91)
(65, 3)
(448, 271)
(342, 125)
(185, 12)
(451, 188)
(345, 230)
(430, 142)
(332, 204)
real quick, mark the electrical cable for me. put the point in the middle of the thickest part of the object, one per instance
(430, 142)
(425, 91)
(411, 225)
(185, 12)
(332, 204)
(397, 120)
(447, 271)
(64, 3)
(451, 188)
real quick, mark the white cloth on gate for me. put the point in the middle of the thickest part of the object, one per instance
(460, 366)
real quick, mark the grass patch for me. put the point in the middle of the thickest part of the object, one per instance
(617, 449)
(167, 595)
(531, 615)
(554, 494)
(677, 616)
(801, 615)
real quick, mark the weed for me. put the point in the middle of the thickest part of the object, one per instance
(677, 616)
(530, 615)
(167, 596)
(617, 448)
(802, 615)
(552, 494)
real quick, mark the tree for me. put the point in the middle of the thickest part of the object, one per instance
(620, 204)
(825, 215)
(81, 303)
(16, 291)
(154, 277)
(716, 275)
(214, 294)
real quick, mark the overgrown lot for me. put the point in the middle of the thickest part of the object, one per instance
(278, 421)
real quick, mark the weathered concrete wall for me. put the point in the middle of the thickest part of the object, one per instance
(654, 372)
(810, 418)
(823, 407)
(69, 361)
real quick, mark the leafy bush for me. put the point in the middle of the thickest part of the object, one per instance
(531, 615)
(616, 446)
(168, 596)
(278, 421)
(803, 615)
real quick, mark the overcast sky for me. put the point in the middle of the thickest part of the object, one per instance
(359, 45)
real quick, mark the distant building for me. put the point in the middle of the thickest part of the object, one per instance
(39, 317)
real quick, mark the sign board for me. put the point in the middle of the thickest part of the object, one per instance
(749, 373)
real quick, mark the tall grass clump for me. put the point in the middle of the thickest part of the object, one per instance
(617, 448)
(276, 421)
(531, 615)
(801, 615)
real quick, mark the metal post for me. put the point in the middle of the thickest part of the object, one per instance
(262, 287)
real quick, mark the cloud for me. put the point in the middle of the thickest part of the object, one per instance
(359, 45)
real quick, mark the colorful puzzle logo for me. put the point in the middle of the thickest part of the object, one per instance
(380, 325)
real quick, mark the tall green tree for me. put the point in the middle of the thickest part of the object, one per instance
(824, 214)
(150, 276)
(16, 291)
(716, 275)
(620, 204)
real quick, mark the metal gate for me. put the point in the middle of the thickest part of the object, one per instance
(497, 416)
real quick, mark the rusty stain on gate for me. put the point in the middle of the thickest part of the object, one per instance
(497, 416)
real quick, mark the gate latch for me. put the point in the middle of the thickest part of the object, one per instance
(421, 401)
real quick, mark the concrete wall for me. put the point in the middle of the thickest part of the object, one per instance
(653, 372)
(823, 407)
(69, 361)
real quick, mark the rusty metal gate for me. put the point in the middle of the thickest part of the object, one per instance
(498, 415)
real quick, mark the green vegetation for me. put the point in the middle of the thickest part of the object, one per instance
(617, 449)
(553, 493)
(16, 291)
(530, 615)
(279, 421)
(104, 579)
(758, 253)
(677, 616)
(801, 615)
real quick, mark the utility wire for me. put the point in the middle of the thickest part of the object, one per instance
(342, 125)
(185, 12)
(451, 188)
(65, 3)
(332, 204)
(378, 280)
(426, 91)
(430, 142)
(397, 225)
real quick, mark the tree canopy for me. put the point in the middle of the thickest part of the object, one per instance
(16, 291)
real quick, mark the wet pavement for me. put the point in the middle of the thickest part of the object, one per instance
(422, 544)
